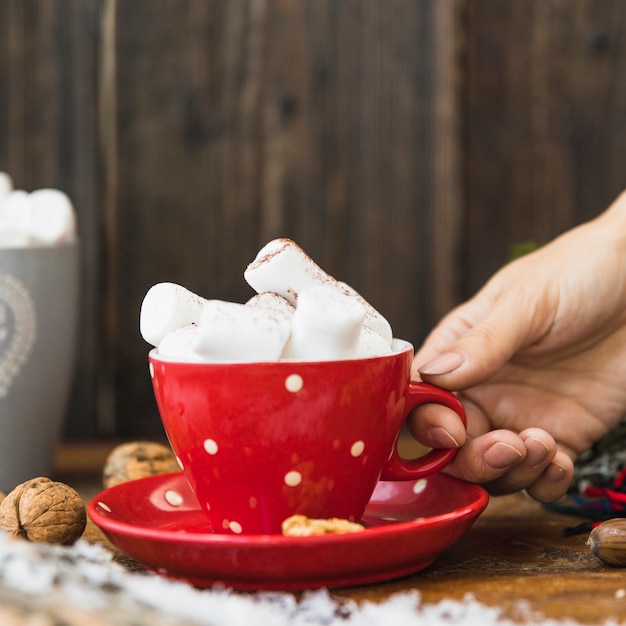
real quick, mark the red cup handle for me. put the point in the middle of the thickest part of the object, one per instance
(435, 460)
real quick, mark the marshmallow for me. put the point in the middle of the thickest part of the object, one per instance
(371, 344)
(282, 267)
(15, 219)
(299, 312)
(231, 331)
(53, 218)
(45, 216)
(12, 239)
(272, 302)
(373, 319)
(6, 186)
(326, 325)
(166, 307)
(178, 344)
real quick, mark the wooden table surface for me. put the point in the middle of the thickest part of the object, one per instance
(515, 553)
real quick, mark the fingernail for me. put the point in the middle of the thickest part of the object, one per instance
(439, 437)
(536, 452)
(501, 455)
(554, 473)
(444, 364)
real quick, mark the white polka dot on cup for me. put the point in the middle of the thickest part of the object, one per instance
(294, 383)
(293, 478)
(210, 446)
(419, 486)
(173, 497)
(357, 448)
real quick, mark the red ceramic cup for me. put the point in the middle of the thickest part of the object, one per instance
(259, 442)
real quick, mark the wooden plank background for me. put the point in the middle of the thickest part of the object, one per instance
(49, 138)
(546, 122)
(407, 145)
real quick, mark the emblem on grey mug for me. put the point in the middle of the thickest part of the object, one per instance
(18, 329)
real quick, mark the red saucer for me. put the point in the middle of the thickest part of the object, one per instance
(157, 521)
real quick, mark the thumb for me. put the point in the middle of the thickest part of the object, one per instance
(481, 350)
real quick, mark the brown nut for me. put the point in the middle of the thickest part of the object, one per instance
(607, 541)
(137, 459)
(303, 526)
(45, 511)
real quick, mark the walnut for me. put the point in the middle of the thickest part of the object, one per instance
(44, 511)
(303, 526)
(137, 459)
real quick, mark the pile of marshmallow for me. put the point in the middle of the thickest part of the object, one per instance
(42, 217)
(299, 312)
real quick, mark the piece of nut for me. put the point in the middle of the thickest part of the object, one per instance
(42, 510)
(303, 526)
(137, 459)
(607, 541)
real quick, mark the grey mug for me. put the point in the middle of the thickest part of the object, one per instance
(38, 331)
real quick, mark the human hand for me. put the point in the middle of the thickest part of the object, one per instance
(538, 358)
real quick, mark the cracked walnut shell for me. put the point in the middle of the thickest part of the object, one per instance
(137, 459)
(303, 526)
(45, 511)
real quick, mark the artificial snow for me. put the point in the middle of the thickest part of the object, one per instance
(87, 577)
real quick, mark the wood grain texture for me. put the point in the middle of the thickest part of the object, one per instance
(516, 559)
(407, 146)
(243, 121)
(545, 122)
(48, 138)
